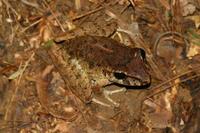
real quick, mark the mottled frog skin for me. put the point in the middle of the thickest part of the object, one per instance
(93, 62)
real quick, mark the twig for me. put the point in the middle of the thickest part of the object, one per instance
(164, 89)
(10, 6)
(30, 3)
(61, 27)
(33, 24)
(87, 13)
(92, 11)
(124, 9)
(166, 34)
(132, 3)
(17, 87)
(174, 78)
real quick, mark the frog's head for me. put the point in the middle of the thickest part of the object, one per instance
(135, 72)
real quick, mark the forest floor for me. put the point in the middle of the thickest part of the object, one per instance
(36, 98)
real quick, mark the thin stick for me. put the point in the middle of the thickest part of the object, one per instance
(87, 13)
(132, 3)
(17, 83)
(10, 6)
(176, 77)
(61, 27)
(33, 24)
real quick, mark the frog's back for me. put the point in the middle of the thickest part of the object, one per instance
(100, 51)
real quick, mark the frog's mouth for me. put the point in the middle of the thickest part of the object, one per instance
(125, 80)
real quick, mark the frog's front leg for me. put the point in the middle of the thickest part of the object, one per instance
(107, 93)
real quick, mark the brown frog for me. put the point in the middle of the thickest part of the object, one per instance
(94, 62)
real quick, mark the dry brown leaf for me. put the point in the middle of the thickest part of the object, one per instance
(194, 50)
(55, 108)
(162, 114)
(196, 19)
(187, 7)
(194, 38)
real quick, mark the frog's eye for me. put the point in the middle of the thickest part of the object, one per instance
(119, 75)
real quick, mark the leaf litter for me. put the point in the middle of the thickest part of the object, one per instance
(36, 96)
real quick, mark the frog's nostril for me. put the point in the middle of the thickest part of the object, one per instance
(146, 80)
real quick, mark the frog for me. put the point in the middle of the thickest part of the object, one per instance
(93, 62)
